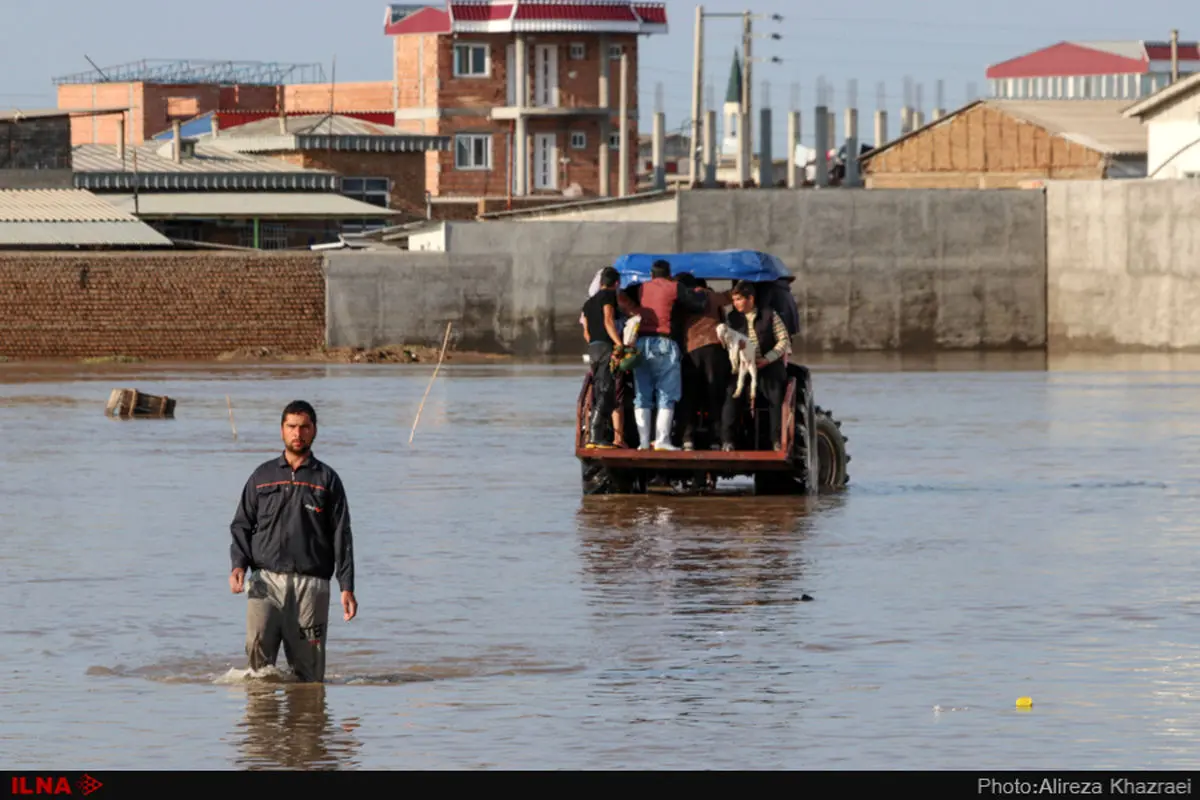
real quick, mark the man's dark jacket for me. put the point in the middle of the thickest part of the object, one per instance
(294, 522)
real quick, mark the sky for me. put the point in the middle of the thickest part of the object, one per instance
(872, 42)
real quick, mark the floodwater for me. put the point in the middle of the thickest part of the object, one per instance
(1009, 531)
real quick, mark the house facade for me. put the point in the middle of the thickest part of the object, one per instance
(528, 91)
(1172, 121)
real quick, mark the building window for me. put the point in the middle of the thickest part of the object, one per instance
(363, 225)
(368, 190)
(578, 140)
(614, 52)
(473, 151)
(470, 60)
(271, 236)
(614, 140)
(578, 51)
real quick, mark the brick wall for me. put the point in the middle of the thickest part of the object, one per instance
(406, 171)
(170, 306)
(39, 143)
(364, 96)
(154, 106)
(981, 148)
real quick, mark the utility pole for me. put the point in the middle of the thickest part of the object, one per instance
(745, 150)
(1174, 55)
(746, 143)
(697, 109)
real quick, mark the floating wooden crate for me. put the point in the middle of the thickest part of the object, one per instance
(126, 403)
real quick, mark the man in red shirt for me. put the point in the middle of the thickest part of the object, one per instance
(657, 380)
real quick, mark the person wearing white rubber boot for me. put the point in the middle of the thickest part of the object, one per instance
(657, 380)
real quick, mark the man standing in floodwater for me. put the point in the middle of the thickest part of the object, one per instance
(292, 528)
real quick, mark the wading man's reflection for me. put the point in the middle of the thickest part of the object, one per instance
(288, 727)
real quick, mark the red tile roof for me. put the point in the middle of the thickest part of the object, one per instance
(477, 12)
(1162, 52)
(652, 14)
(582, 12)
(426, 20)
(1065, 58)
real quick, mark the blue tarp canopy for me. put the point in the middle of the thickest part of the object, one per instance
(713, 265)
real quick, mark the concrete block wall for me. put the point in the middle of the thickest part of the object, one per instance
(162, 305)
(1124, 265)
(913, 270)
(41, 143)
(512, 287)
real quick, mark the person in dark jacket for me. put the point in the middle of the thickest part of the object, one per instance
(292, 531)
(602, 331)
(769, 334)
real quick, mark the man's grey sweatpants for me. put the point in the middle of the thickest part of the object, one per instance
(292, 610)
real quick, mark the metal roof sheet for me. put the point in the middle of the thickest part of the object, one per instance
(80, 234)
(1096, 124)
(17, 114)
(1135, 48)
(330, 124)
(69, 217)
(243, 205)
(57, 205)
(207, 159)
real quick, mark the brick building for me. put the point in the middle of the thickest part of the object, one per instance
(991, 144)
(195, 190)
(160, 93)
(376, 163)
(555, 132)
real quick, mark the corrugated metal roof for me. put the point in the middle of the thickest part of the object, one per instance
(207, 159)
(242, 205)
(57, 205)
(69, 217)
(1096, 124)
(80, 234)
(45, 113)
(1134, 49)
(335, 124)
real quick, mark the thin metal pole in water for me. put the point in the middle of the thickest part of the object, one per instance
(445, 341)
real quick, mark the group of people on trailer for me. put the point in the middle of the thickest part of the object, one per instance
(689, 349)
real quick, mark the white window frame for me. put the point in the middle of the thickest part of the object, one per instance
(473, 137)
(578, 140)
(471, 47)
(614, 140)
(578, 51)
(614, 52)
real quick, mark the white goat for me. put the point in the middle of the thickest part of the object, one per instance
(742, 357)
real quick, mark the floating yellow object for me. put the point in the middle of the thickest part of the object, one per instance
(1024, 702)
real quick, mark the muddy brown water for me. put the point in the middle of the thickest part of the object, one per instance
(1010, 530)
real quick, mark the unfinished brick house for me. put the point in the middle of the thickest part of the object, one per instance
(160, 93)
(548, 133)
